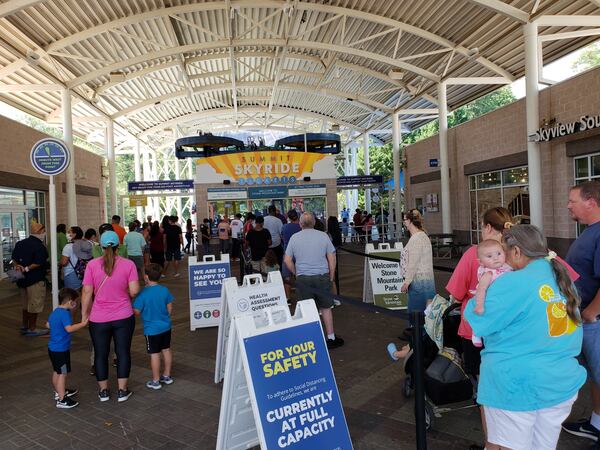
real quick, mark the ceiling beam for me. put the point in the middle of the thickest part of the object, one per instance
(13, 6)
(349, 97)
(301, 6)
(504, 9)
(477, 80)
(213, 113)
(568, 21)
(30, 88)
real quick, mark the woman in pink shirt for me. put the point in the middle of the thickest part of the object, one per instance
(113, 281)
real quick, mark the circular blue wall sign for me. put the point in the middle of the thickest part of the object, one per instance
(50, 156)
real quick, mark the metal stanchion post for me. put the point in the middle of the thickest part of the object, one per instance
(337, 275)
(418, 376)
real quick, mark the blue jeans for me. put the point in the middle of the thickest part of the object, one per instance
(419, 292)
(590, 352)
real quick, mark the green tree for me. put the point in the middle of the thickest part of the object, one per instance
(483, 105)
(588, 59)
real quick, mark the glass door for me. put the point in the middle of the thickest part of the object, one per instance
(13, 228)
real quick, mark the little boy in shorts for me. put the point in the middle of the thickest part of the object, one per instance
(61, 326)
(154, 304)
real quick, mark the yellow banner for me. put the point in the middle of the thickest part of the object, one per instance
(274, 166)
(138, 200)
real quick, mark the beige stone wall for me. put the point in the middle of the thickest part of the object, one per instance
(15, 148)
(501, 133)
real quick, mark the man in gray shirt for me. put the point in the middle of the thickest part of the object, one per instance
(274, 225)
(314, 269)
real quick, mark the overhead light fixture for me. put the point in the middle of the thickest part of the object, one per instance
(473, 53)
(396, 74)
(33, 57)
(117, 77)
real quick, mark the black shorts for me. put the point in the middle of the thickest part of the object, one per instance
(471, 357)
(317, 287)
(157, 258)
(61, 361)
(156, 343)
(173, 254)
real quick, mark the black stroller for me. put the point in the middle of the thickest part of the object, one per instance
(445, 380)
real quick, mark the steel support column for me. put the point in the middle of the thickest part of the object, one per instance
(139, 212)
(396, 139)
(112, 174)
(70, 173)
(444, 168)
(367, 172)
(534, 165)
(347, 172)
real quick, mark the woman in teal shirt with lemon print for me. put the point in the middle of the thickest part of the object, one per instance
(532, 336)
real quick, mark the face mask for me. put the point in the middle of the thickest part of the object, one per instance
(69, 237)
(41, 236)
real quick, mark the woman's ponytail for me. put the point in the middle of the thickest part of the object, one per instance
(567, 288)
(109, 260)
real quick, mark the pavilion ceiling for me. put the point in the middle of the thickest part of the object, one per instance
(156, 65)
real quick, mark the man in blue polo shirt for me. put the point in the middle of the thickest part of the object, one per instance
(584, 257)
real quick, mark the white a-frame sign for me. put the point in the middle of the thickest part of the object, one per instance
(382, 279)
(279, 389)
(251, 297)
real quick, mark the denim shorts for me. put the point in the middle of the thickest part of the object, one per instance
(72, 281)
(591, 350)
(419, 292)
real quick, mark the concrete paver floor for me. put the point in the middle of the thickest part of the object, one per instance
(186, 413)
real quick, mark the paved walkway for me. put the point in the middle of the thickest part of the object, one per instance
(185, 414)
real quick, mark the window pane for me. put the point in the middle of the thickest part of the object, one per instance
(41, 199)
(11, 196)
(515, 176)
(487, 180)
(474, 221)
(472, 182)
(581, 168)
(516, 200)
(487, 199)
(30, 198)
(596, 165)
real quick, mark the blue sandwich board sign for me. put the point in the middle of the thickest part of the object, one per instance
(288, 380)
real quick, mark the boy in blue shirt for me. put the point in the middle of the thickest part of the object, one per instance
(154, 304)
(61, 327)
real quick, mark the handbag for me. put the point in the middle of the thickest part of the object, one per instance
(15, 275)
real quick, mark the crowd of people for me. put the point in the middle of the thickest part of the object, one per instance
(103, 271)
(529, 319)
(529, 322)
(296, 245)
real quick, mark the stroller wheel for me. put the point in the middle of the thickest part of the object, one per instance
(429, 416)
(407, 389)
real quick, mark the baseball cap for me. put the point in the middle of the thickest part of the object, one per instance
(37, 228)
(109, 239)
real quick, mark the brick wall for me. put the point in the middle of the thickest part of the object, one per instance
(502, 133)
(17, 140)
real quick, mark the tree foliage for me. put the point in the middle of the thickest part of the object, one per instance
(588, 59)
(470, 111)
